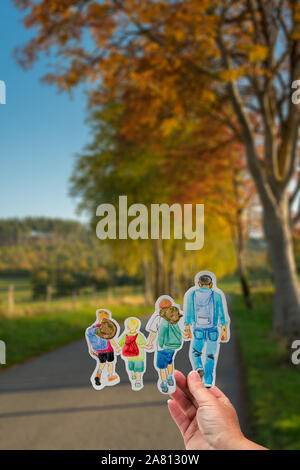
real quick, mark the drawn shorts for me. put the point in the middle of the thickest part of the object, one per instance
(165, 358)
(106, 357)
(136, 366)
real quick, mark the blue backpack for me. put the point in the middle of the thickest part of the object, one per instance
(204, 308)
(97, 343)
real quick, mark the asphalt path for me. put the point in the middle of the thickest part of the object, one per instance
(49, 403)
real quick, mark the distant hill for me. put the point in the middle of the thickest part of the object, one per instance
(52, 251)
(30, 230)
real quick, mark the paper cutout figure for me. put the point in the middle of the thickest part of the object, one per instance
(167, 332)
(103, 347)
(207, 324)
(133, 353)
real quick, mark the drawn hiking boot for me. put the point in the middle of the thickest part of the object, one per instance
(164, 386)
(207, 384)
(170, 381)
(113, 378)
(98, 380)
(201, 373)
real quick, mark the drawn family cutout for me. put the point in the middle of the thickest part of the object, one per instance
(204, 323)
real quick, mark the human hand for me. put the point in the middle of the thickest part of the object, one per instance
(149, 347)
(224, 333)
(185, 336)
(187, 333)
(205, 417)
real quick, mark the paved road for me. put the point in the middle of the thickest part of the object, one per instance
(48, 403)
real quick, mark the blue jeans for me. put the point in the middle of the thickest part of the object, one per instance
(208, 337)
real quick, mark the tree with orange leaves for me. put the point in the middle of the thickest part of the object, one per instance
(200, 164)
(245, 54)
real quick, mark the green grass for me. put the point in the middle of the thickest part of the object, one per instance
(25, 305)
(32, 335)
(35, 327)
(273, 382)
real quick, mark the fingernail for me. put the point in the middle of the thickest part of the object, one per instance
(194, 376)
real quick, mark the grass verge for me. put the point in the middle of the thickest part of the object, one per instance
(32, 335)
(273, 382)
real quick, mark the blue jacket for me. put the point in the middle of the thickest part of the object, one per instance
(218, 310)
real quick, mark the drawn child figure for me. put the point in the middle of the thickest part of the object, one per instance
(167, 331)
(206, 324)
(103, 347)
(132, 342)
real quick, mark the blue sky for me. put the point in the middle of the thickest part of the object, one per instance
(40, 132)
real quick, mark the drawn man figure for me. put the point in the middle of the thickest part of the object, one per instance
(206, 323)
(103, 347)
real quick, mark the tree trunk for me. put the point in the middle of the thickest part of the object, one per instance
(48, 297)
(239, 242)
(147, 281)
(276, 222)
(187, 282)
(173, 290)
(280, 244)
(159, 268)
(243, 276)
(11, 298)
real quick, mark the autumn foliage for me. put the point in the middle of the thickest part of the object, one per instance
(178, 66)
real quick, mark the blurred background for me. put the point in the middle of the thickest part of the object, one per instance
(165, 102)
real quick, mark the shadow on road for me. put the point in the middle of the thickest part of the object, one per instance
(48, 403)
(83, 409)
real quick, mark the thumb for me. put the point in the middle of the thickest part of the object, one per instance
(197, 389)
